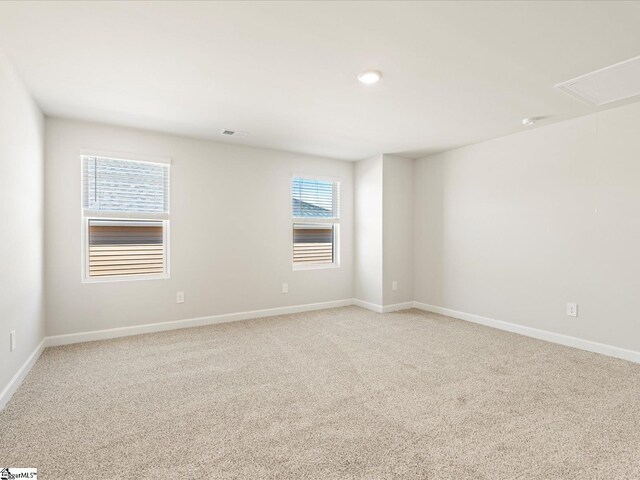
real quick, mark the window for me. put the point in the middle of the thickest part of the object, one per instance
(126, 216)
(316, 222)
(125, 247)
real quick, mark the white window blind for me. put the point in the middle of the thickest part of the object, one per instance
(125, 188)
(315, 198)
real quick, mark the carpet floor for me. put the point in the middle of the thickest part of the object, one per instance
(335, 394)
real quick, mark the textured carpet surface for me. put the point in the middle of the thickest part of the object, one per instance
(334, 394)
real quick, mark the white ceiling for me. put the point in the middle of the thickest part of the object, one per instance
(454, 72)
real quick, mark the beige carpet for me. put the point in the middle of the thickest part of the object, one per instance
(334, 394)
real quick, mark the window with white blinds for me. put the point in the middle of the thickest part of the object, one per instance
(316, 221)
(315, 198)
(126, 211)
(128, 188)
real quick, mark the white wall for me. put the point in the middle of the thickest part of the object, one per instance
(398, 223)
(230, 232)
(368, 227)
(514, 228)
(21, 210)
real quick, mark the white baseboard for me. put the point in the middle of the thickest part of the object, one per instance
(559, 338)
(17, 379)
(397, 306)
(94, 335)
(190, 322)
(374, 307)
(57, 340)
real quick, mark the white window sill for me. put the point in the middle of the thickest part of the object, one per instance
(125, 278)
(319, 266)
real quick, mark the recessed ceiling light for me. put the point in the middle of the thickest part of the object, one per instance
(529, 121)
(369, 77)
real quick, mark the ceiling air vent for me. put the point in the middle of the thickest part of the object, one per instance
(609, 84)
(234, 133)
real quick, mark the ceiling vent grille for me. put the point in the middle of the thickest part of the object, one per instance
(610, 84)
(234, 133)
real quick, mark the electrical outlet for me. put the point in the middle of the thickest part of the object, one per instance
(180, 297)
(572, 309)
(394, 285)
(285, 288)
(12, 340)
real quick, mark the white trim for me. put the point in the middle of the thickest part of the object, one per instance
(134, 157)
(321, 178)
(126, 278)
(397, 306)
(374, 307)
(316, 220)
(582, 344)
(57, 340)
(559, 338)
(124, 215)
(191, 322)
(20, 375)
(314, 266)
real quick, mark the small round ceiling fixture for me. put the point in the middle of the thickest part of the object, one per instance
(530, 121)
(370, 77)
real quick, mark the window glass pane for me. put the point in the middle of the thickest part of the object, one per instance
(118, 248)
(313, 243)
(125, 186)
(314, 198)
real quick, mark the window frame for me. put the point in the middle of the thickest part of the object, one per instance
(333, 221)
(85, 218)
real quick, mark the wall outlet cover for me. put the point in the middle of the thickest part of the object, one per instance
(572, 309)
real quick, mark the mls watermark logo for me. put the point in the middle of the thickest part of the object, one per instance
(12, 473)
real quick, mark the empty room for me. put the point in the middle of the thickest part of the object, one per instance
(320, 240)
